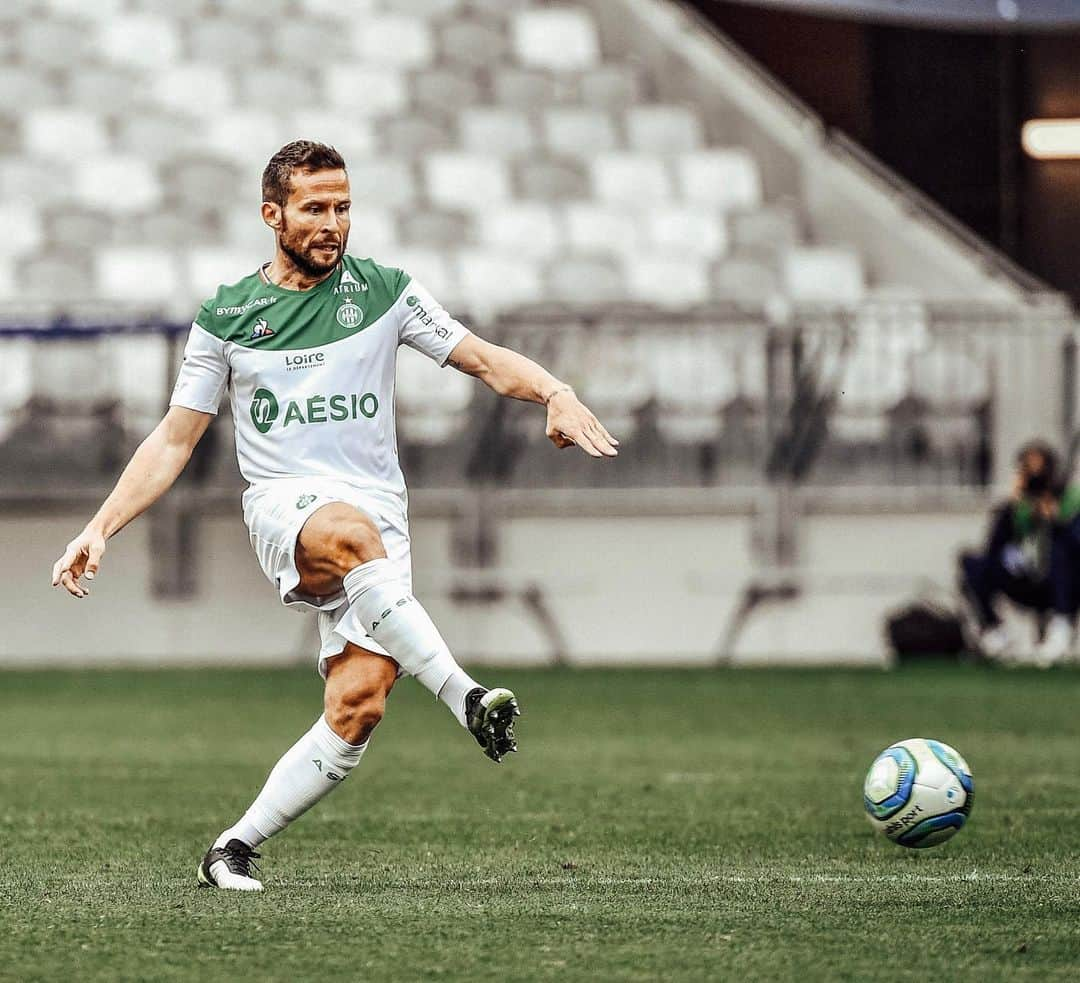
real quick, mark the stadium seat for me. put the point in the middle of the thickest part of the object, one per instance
(23, 228)
(92, 86)
(207, 267)
(38, 181)
(65, 133)
(175, 228)
(201, 183)
(552, 180)
(356, 8)
(425, 9)
(293, 39)
(694, 375)
(499, 8)
(444, 91)
(745, 281)
(374, 231)
(727, 178)
(661, 129)
(432, 403)
(384, 182)
(147, 41)
(456, 180)
(693, 231)
(54, 43)
(618, 382)
(399, 40)
(354, 137)
(573, 131)
(223, 40)
(629, 179)
(496, 131)
(80, 10)
(594, 228)
(583, 279)
(365, 90)
(433, 227)
(247, 136)
(116, 183)
(267, 9)
(528, 89)
(560, 39)
(614, 87)
(473, 42)
(823, 274)
(279, 85)
(26, 86)
(74, 226)
(156, 136)
(431, 267)
(192, 88)
(137, 275)
(496, 281)
(63, 275)
(138, 367)
(520, 229)
(672, 280)
(414, 135)
(767, 231)
(16, 381)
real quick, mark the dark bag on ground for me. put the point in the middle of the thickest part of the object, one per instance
(925, 630)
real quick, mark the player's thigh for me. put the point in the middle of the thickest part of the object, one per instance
(358, 680)
(335, 538)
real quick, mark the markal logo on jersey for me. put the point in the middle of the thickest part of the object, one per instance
(425, 318)
(261, 329)
(349, 315)
(315, 409)
(349, 284)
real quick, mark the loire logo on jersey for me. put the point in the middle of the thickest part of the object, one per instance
(337, 408)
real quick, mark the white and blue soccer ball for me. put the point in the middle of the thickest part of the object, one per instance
(918, 792)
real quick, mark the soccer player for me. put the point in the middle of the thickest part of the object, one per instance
(306, 348)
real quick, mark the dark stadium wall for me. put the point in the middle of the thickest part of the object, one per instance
(944, 109)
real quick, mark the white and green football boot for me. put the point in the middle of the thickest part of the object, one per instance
(490, 715)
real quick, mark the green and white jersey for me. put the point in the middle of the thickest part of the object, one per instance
(311, 373)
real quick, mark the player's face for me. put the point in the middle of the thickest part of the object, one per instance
(314, 229)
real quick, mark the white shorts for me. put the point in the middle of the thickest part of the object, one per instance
(275, 512)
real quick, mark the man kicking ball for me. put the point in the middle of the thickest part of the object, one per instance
(306, 347)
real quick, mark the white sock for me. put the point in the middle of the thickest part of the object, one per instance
(399, 623)
(312, 768)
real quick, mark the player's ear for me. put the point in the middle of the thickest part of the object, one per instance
(271, 213)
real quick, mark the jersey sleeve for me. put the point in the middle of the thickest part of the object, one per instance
(204, 373)
(426, 326)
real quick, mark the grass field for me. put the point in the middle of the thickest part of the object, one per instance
(656, 826)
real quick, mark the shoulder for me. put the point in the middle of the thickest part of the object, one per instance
(217, 315)
(387, 280)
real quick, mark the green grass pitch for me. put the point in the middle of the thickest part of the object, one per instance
(656, 826)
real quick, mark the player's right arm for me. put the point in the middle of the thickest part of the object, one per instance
(151, 472)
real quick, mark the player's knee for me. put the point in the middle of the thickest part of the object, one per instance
(354, 713)
(353, 542)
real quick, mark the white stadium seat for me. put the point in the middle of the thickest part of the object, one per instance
(352, 136)
(560, 39)
(116, 183)
(727, 178)
(118, 87)
(62, 132)
(630, 179)
(381, 181)
(225, 40)
(582, 278)
(207, 267)
(38, 181)
(145, 40)
(426, 9)
(139, 275)
(686, 229)
(23, 229)
(393, 39)
(496, 281)
(374, 231)
(431, 402)
(579, 132)
(26, 86)
(53, 43)
(593, 228)
(495, 131)
(472, 43)
(193, 88)
(695, 376)
(245, 136)
(823, 274)
(80, 9)
(157, 135)
(364, 90)
(292, 39)
(356, 8)
(666, 279)
(138, 367)
(613, 87)
(465, 180)
(525, 229)
(663, 129)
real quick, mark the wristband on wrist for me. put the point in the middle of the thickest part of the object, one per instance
(555, 392)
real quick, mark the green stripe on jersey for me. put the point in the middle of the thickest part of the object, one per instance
(263, 316)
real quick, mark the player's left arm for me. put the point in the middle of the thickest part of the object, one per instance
(509, 373)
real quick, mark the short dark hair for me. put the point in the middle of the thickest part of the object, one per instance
(299, 155)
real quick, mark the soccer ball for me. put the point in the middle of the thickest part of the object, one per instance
(918, 792)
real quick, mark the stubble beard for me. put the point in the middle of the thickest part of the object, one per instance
(303, 261)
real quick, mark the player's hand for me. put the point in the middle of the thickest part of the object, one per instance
(570, 421)
(81, 558)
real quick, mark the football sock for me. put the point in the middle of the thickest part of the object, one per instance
(399, 623)
(313, 767)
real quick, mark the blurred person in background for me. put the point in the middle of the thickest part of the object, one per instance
(1032, 557)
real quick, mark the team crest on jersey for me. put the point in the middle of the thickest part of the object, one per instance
(349, 315)
(261, 329)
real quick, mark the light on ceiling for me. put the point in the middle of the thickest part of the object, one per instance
(1051, 139)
